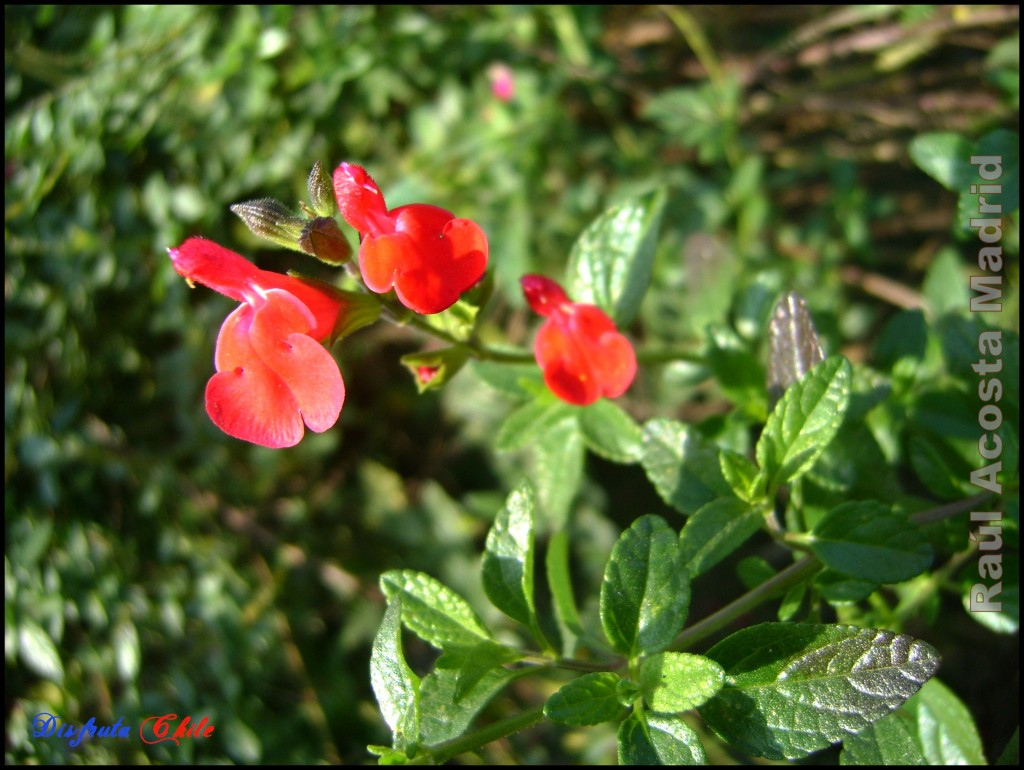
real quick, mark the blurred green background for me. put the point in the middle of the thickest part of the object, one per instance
(154, 565)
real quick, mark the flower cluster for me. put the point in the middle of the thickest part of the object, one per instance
(275, 374)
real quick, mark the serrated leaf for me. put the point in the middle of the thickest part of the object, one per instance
(742, 475)
(445, 713)
(793, 344)
(610, 432)
(434, 612)
(529, 422)
(792, 689)
(867, 540)
(804, 421)
(394, 683)
(943, 727)
(674, 682)
(887, 742)
(682, 465)
(558, 456)
(38, 652)
(715, 531)
(650, 739)
(474, 663)
(645, 594)
(610, 264)
(587, 700)
(508, 558)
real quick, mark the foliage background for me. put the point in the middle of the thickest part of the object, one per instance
(153, 565)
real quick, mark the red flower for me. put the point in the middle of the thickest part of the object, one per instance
(273, 373)
(581, 352)
(424, 252)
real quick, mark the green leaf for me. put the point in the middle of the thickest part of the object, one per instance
(394, 683)
(645, 593)
(887, 742)
(529, 422)
(650, 739)
(586, 700)
(610, 263)
(945, 157)
(508, 558)
(738, 371)
(512, 380)
(610, 432)
(673, 682)
(791, 601)
(38, 652)
(715, 531)
(446, 710)
(943, 727)
(868, 540)
(387, 755)
(792, 689)
(433, 611)
(838, 588)
(474, 663)
(682, 465)
(946, 288)
(558, 457)
(804, 421)
(742, 475)
(1011, 752)
(560, 584)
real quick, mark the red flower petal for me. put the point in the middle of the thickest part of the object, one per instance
(423, 252)
(543, 294)
(201, 261)
(581, 352)
(566, 364)
(305, 366)
(360, 200)
(231, 274)
(430, 260)
(271, 376)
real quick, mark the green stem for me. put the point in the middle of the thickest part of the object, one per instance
(789, 577)
(473, 741)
